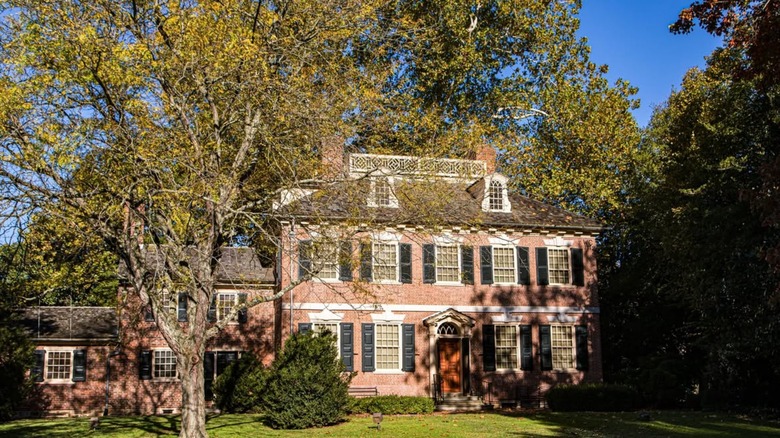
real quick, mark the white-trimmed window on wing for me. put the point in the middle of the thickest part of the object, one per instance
(164, 365)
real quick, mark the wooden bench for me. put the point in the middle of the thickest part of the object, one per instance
(363, 391)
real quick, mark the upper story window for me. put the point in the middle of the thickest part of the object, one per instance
(560, 265)
(325, 259)
(504, 264)
(496, 196)
(385, 261)
(382, 194)
(448, 263)
(558, 259)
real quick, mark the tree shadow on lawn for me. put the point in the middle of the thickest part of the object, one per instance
(661, 424)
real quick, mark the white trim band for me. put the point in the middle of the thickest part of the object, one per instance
(440, 308)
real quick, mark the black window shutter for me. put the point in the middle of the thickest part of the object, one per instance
(466, 364)
(304, 327)
(79, 366)
(181, 308)
(523, 268)
(467, 264)
(345, 260)
(486, 264)
(405, 256)
(347, 345)
(145, 365)
(148, 315)
(304, 258)
(429, 263)
(577, 267)
(37, 370)
(582, 347)
(488, 347)
(368, 347)
(407, 331)
(224, 358)
(212, 313)
(542, 277)
(242, 314)
(545, 342)
(365, 262)
(208, 374)
(526, 349)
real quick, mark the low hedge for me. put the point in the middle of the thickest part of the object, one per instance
(593, 397)
(390, 405)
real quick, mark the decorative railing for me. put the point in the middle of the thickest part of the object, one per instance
(444, 167)
(437, 394)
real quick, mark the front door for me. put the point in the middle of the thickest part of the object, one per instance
(449, 365)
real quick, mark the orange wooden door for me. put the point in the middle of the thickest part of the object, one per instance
(449, 365)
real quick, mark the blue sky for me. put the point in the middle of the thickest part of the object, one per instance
(632, 37)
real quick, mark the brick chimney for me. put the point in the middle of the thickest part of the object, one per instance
(489, 156)
(332, 148)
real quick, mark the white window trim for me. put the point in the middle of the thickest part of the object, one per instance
(573, 363)
(220, 316)
(328, 317)
(398, 370)
(503, 180)
(45, 371)
(314, 260)
(514, 264)
(459, 264)
(568, 258)
(163, 379)
(393, 201)
(395, 243)
(517, 348)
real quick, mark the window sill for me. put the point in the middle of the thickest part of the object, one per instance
(165, 379)
(57, 382)
(327, 280)
(449, 283)
(507, 370)
(389, 372)
(389, 282)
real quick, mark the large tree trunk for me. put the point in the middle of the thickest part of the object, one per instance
(193, 402)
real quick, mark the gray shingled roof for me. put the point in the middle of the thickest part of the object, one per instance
(69, 323)
(436, 203)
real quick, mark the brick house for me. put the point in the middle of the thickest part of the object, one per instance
(435, 280)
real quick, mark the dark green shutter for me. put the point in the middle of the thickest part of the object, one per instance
(582, 347)
(347, 345)
(429, 263)
(365, 262)
(488, 347)
(212, 313)
(242, 314)
(486, 264)
(345, 260)
(79, 366)
(526, 349)
(224, 359)
(405, 256)
(304, 258)
(467, 264)
(304, 327)
(368, 347)
(37, 370)
(181, 308)
(148, 314)
(577, 267)
(542, 277)
(465, 363)
(545, 344)
(145, 365)
(523, 268)
(407, 331)
(208, 374)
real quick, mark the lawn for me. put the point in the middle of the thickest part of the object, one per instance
(515, 424)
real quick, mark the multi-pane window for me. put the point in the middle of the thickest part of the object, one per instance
(506, 347)
(327, 327)
(225, 304)
(558, 265)
(168, 300)
(388, 347)
(58, 365)
(496, 196)
(382, 192)
(164, 364)
(562, 347)
(504, 265)
(326, 260)
(385, 261)
(447, 265)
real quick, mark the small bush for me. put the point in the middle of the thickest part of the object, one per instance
(241, 386)
(593, 397)
(391, 405)
(307, 386)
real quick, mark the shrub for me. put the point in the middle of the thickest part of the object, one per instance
(391, 405)
(241, 386)
(307, 386)
(593, 397)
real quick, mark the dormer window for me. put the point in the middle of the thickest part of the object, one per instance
(382, 194)
(496, 196)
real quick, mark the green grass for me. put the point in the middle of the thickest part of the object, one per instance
(514, 424)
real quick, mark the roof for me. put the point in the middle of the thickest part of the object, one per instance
(69, 323)
(434, 202)
(236, 265)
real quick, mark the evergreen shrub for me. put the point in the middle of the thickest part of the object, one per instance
(241, 386)
(391, 405)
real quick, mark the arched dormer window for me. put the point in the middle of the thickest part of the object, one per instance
(496, 196)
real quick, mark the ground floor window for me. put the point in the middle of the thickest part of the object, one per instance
(388, 347)
(164, 364)
(506, 347)
(562, 347)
